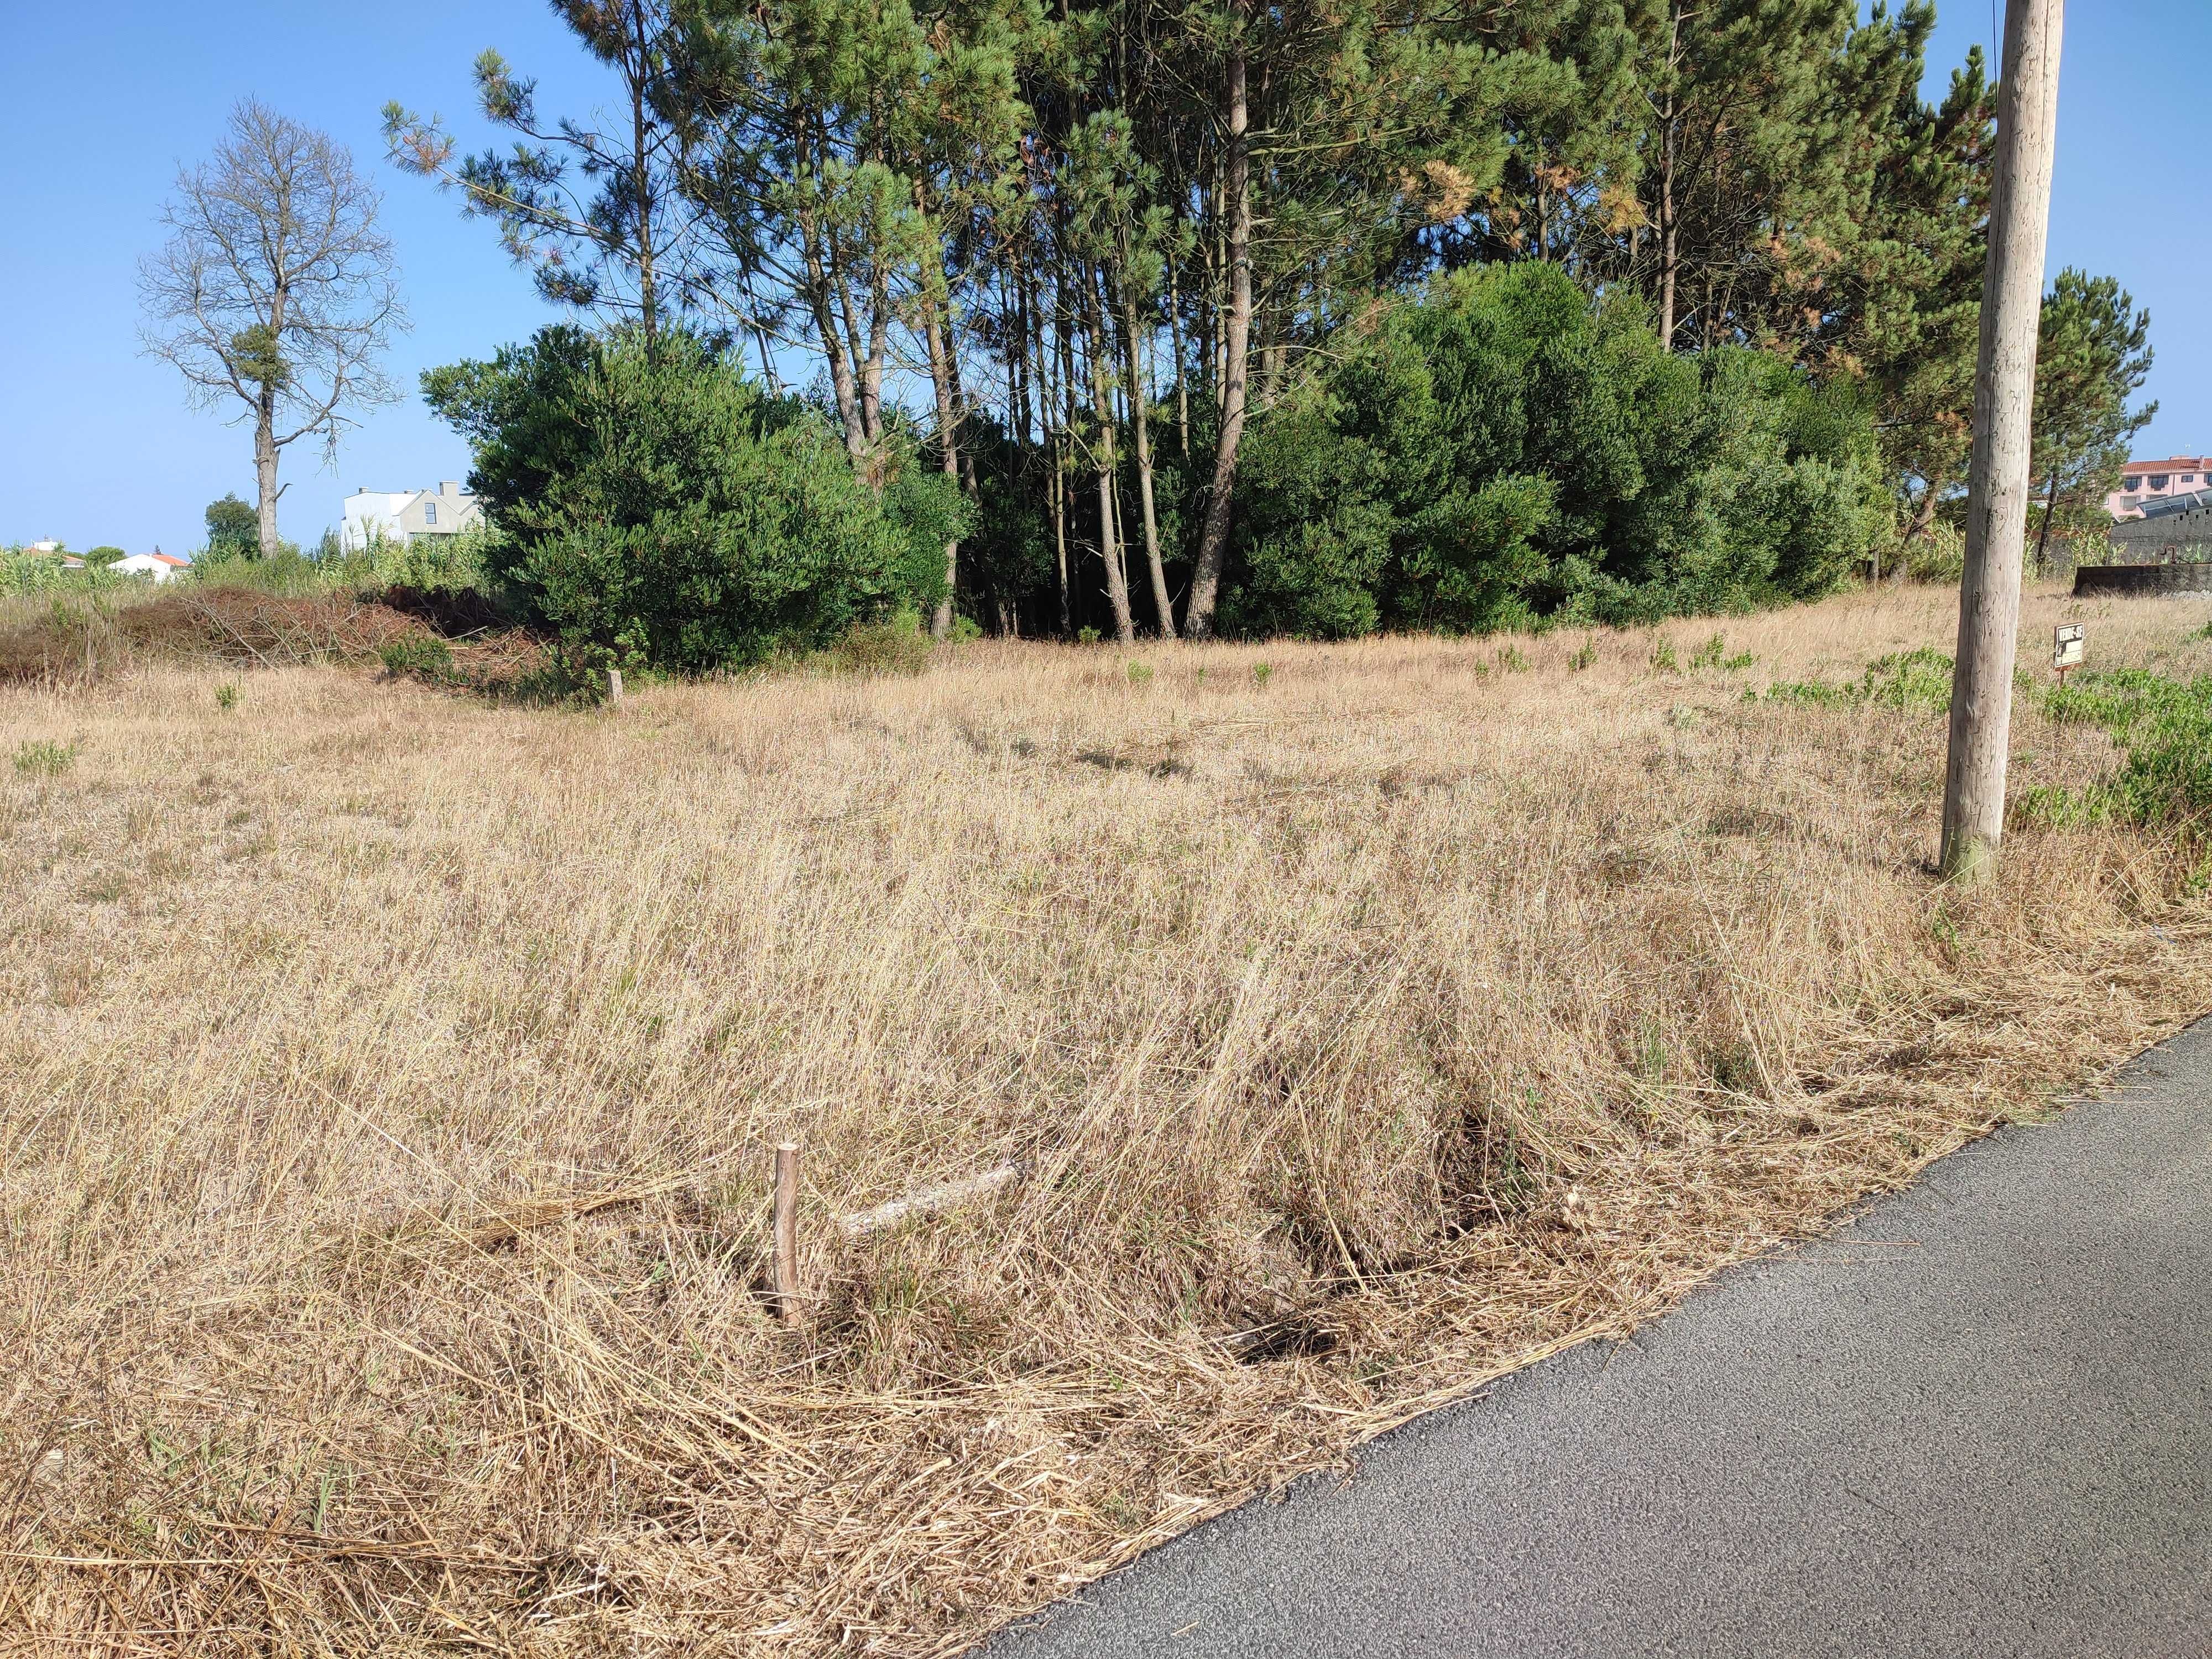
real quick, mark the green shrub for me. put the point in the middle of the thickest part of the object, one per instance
(1502, 451)
(418, 656)
(653, 507)
(896, 645)
(1938, 554)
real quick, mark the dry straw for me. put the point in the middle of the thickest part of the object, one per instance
(391, 1081)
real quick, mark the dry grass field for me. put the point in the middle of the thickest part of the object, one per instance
(388, 1080)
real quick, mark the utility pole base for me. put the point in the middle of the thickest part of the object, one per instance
(1970, 862)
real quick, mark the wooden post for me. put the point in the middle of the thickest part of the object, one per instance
(2004, 406)
(614, 686)
(784, 1252)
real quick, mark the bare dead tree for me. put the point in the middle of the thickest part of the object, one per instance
(276, 287)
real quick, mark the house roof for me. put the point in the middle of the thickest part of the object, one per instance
(169, 559)
(2171, 463)
(2168, 506)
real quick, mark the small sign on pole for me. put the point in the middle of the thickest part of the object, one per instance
(2069, 644)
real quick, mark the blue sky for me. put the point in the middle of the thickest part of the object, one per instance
(97, 446)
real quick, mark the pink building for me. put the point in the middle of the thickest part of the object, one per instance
(2142, 482)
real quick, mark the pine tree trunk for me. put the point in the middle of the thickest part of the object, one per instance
(1063, 462)
(641, 180)
(1140, 427)
(1109, 542)
(1214, 542)
(2043, 535)
(1667, 156)
(819, 288)
(1667, 245)
(1182, 379)
(871, 370)
(948, 443)
(1055, 474)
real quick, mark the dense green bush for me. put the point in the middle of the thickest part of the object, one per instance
(1503, 452)
(653, 506)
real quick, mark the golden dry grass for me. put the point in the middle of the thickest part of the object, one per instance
(390, 1080)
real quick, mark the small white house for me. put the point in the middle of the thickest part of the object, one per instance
(401, 516)
(157, 566)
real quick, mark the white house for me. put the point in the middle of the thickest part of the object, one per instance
(157, 566)
(401, 516)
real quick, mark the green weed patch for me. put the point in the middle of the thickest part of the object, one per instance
(1913, 680)
(2165, 728)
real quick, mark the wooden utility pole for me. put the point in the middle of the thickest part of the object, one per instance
(2004, 404)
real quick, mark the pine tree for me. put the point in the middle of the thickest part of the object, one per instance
(2093, 353)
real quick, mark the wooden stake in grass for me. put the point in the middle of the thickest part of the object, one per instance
(614, 686)
(784, 1252)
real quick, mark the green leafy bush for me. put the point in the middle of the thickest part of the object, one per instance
(418, 656)
(653, 507)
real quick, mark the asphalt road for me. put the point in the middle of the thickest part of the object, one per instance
(1994, 1441)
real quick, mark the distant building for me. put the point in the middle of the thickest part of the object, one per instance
(2173, 528)
(401, 516)
(157, 566)
(2144, 482)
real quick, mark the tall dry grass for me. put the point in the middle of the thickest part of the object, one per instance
(389, 1079)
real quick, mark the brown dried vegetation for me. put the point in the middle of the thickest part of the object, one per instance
(390, 1080)
(80, 640)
